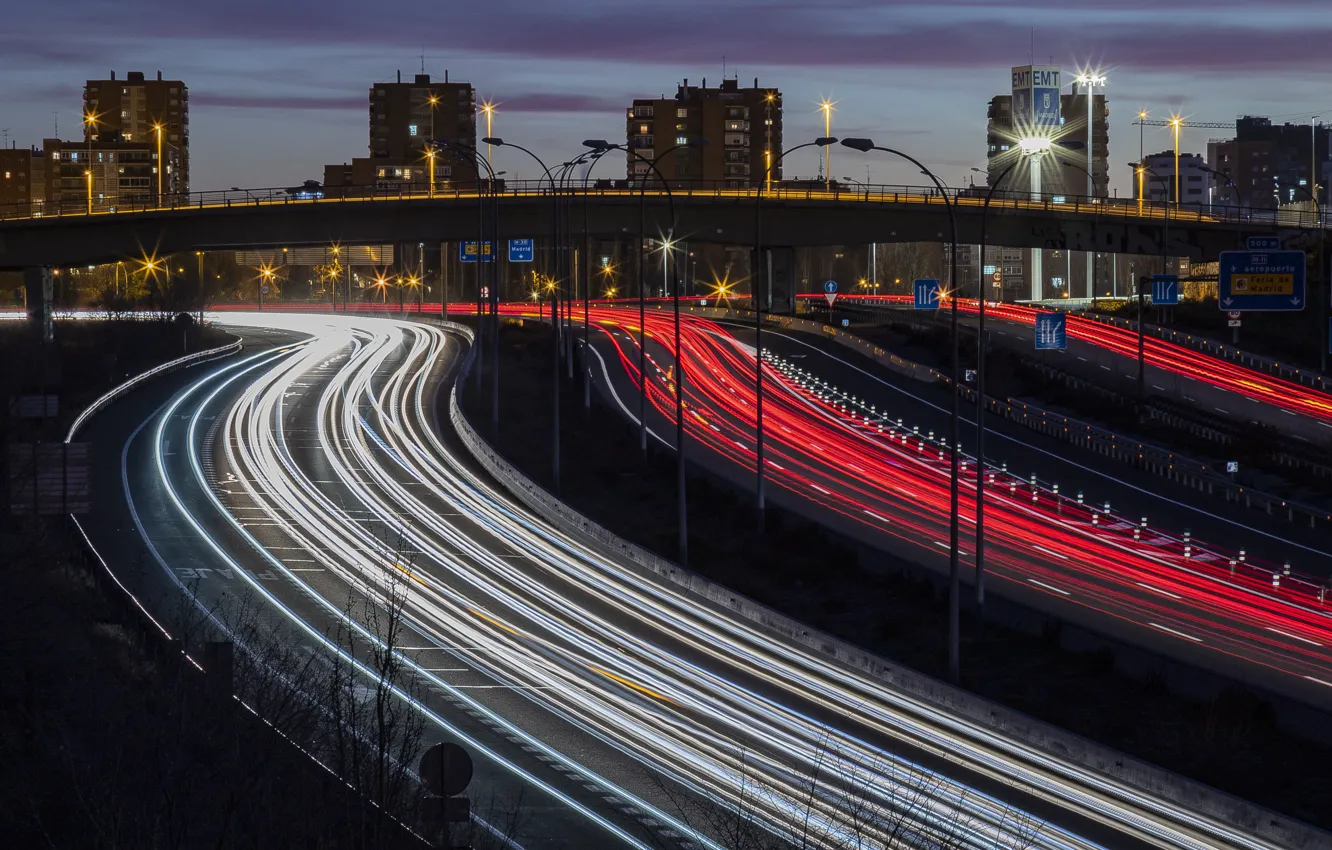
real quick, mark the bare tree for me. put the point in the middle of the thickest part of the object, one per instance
(845, 802)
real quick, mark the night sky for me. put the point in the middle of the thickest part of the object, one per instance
(279, 88)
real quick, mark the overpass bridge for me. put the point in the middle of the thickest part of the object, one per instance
(791, 216)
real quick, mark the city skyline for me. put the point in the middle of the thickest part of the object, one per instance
(559, 74)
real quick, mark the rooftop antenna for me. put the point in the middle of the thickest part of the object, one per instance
(723, 66)
(55, 118)
(1031, 54)
(422, 60)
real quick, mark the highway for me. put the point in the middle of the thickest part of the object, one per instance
(321, 471)
(870, 467)
(1098, 351)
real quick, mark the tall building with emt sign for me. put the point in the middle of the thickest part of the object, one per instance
(1035, 97)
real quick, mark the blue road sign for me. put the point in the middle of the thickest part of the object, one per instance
(1263, 243)
(521, 250)
(829, 287)
(1256, 281)
(467, 252)
(1051, 331)
(927, 294)
(1165, 290)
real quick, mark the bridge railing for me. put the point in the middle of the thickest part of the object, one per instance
(1004, 202)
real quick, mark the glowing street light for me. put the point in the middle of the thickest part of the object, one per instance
(1174, 125)
(489, 109)
(161, 166)
(430, 157)
(827, 107)
(89, 175)
(1089, 80)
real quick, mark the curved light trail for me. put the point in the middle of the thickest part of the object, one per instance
(692, 693)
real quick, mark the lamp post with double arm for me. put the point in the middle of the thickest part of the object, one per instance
(683, 505)
(762, 295)
(954, 530)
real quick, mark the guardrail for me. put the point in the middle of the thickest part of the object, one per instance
(169, 366)
(1002, 202)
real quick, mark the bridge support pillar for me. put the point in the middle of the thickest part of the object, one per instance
(39, 286)
(774, 279)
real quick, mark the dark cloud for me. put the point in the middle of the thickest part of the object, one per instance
(233, 100)
(560, 102)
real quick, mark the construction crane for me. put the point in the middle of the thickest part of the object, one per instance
(1177, 124)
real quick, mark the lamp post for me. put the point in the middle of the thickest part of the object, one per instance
(161, 165)
(763, 281)
(88, 175)
(489, 109)
(90, 119)
(1089, 82)
(954, 589)
(827, 107)
(1091, 255)
(683, 504)
(603, 145)
(479, 162)
(1165, 237)
(1322, 260)
(1174, 124)
(555, 300)
(587, 287)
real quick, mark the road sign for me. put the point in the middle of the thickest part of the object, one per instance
(1165, 290)
(1261, 280)
(446, 769)
(927, 294)
(846, 323)
(1051, 331)
(830, 291)
(1234, 314)
(467, 252)
(485, 292)
(521, 250)
(264, 289)
(1233, 323)
(1263, 243)
(1232, 466)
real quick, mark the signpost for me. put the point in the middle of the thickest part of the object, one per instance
(1051, 331)
(1264, 281)
(1165, 290)
(467, 252)
(927, 294)
(521, 250)
(830, 291)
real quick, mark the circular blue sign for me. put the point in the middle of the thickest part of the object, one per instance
(830, 286)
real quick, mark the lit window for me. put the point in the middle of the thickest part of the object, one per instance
(411, 129)
(682, 140)
(1003, 147)
(642, 128)
(682, 113)
(6, 175)
(55, 155)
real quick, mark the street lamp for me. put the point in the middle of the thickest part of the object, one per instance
(1323, 330)
(1035, 148)
(489, 109)
(89, 176)
(554, 305)
(827, 108)
(954, 531)
(683, 504)
(1174, 124)
(430, 157)
(161, 166)
(762, 295)
(1089, 81)
(1144, 170)
(1091, 255)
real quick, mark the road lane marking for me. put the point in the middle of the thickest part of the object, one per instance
(1049, 587)
(1173, 632)
(1294, 637)
(1049, 552)
(1158, 590)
